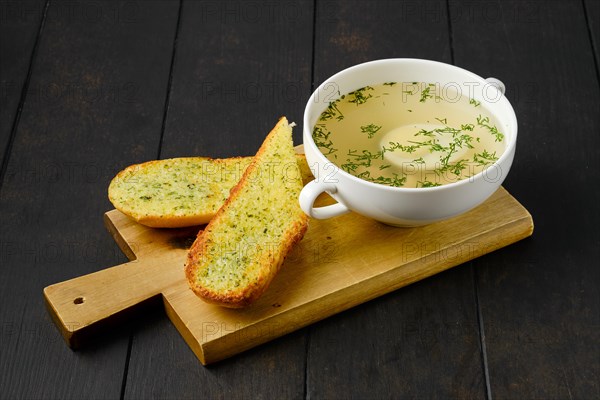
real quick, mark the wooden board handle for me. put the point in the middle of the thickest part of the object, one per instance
(79, 303)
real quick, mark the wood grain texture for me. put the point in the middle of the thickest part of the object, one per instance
(536, 300)
(352, 32)
(539, 299)
(340, 263)
(592, 10)
(406, 351)
(95, 104)
(155, 265)
(20, 23)
(239, 66)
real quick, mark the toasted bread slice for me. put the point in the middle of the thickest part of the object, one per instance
(180, 192)
(233, 261)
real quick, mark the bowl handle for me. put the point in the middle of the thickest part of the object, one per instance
(497, 83)
(309, 194)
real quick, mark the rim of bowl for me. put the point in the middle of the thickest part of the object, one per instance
(509, 149)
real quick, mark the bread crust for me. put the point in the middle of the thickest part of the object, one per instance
(248, 294)
(164, 220)
(269, 266)
(158, 221)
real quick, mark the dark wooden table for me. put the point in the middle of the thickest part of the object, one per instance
(88, 88)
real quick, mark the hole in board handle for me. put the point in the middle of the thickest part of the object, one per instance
(78, 300)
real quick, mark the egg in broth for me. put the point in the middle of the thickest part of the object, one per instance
(405, 134)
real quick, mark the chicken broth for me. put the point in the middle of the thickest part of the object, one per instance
(406, 134)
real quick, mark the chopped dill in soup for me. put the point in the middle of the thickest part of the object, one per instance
(405, 134)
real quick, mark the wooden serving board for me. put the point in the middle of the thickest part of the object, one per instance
(340, 263)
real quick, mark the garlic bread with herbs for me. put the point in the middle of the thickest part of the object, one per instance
(234, 259)
(180, 192)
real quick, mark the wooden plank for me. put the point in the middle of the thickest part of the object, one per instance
(539, 299)
(417, 342)
(20, 23)
(95, 103)
(369, 260)
(339, 264)
(592, 10)
(239, 66)
(351, 32)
